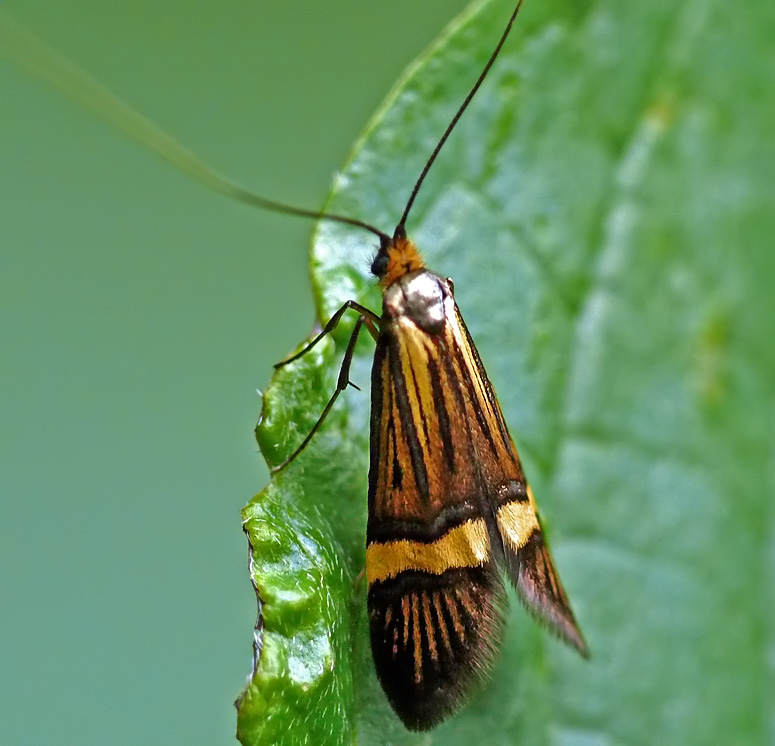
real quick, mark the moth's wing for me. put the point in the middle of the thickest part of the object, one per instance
(435, 597)
(447, 500)
(525, 551)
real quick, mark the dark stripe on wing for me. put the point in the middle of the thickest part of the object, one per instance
(442, 415)
(489, 391)
(423, 414)
(375, 429)
(474, 399)
(511, 491)
(446, 519)
(407, 422)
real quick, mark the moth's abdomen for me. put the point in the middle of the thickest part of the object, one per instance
(433, 637)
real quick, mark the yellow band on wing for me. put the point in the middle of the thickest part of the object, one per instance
(467, 545)
(517, 521)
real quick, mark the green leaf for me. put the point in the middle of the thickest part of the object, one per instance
(606, 209)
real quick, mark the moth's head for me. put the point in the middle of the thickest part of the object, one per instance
(395, 258)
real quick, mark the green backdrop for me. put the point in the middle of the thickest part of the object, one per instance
(623, 308)
(140, 313)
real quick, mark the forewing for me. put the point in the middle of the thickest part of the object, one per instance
(525, 551)
(445, 487)
(435, 597)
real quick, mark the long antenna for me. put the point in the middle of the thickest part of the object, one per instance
(400, 228)
(60, 73)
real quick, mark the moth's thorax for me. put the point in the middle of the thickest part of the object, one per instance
(402, 258)
(420, 296)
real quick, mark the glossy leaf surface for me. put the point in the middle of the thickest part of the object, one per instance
(606, 211)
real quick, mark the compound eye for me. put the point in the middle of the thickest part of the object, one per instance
(379, 265)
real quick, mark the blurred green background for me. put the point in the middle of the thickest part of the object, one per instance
(140, 314)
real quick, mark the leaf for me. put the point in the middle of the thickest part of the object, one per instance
(606, 209)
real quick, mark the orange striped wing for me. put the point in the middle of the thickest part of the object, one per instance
(448, 504)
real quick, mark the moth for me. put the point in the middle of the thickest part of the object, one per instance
(450, 511)
(449, 507)
(449, 504)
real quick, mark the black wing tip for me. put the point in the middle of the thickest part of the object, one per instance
(460, 620)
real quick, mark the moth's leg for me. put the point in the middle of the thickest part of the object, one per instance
(372, 324)
(367, 316)
(342, 382)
